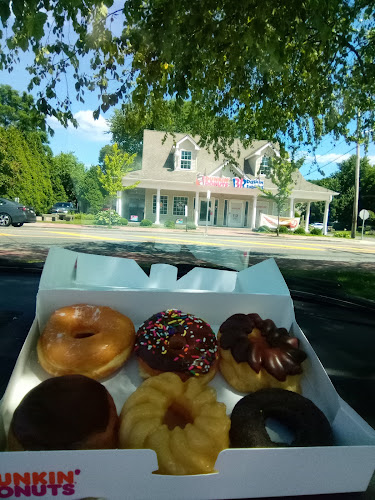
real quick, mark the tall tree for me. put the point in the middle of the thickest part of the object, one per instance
(25, 169)
(92, 195)
(19, 111)
(67, 175)
(342, 182)
(297, 79)
(116, 166)
(281, 174)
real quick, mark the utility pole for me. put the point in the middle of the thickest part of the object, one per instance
(356, 183)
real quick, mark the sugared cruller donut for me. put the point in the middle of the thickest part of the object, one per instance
(85, 339)
(173, 341)
(255, 354)
(72, 412)
(308, 423)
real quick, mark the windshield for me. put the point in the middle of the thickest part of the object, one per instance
(196, 135)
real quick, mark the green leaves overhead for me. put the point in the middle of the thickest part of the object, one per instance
(274, 70)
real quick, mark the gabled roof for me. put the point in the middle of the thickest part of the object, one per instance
(260, 150)
(188, 138)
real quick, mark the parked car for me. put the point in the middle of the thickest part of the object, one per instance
(63, 207)
(317, 225)
(14, 213)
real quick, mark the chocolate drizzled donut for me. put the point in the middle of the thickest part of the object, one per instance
(174, 341)
(261, 344)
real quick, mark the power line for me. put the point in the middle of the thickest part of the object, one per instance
(333, 161)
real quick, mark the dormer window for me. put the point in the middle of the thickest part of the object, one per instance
(265, 166)
(186, 160)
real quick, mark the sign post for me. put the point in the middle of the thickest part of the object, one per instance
(363, 215)
(186, 216)
(208, 207)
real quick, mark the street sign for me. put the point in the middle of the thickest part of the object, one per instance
(364, 214)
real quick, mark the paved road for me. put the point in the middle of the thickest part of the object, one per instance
(221, 246)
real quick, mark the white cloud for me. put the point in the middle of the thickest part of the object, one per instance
(88, 128)
(371, 159)
(328, 158)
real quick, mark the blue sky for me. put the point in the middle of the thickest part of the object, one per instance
(91, 135)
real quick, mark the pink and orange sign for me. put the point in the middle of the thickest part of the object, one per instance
(236, 182)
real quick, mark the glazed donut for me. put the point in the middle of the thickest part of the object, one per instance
(172, 341)
(308, 423)
(72, 412)
(254, 354)
(181, 421)
(84, 339)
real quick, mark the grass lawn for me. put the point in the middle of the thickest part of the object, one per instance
(349, 282)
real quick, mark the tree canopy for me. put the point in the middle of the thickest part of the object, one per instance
(279, 70)
(341, 207)
(19, 111)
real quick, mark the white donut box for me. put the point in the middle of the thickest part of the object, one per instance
(69, 278)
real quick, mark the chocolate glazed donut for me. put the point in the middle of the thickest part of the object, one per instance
(308, 423)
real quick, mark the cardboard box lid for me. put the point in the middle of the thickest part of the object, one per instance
(65, 269)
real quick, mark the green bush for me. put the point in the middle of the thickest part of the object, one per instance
(170, 224)
(123, 221)
(283, 229)
(263, 229)
(341, 234)
(316, 231)
(300, 230)
(107, 216)
(191, 225)
(81, 216)
(146, 223)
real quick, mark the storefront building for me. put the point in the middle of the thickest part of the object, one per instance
(179, 181)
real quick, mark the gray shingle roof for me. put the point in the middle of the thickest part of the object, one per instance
(158, 162)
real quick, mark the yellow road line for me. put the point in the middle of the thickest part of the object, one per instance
(227, 243)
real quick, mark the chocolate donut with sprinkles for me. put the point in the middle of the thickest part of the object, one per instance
(173, 341)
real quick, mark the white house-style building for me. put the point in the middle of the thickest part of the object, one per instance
(177, 173)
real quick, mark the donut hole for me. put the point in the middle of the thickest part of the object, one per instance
(177, 343)
(279, 432)
(177, 416)
(83, 335)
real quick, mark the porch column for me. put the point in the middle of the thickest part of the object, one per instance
(254, 213)
(291, 208)
(307, 216)
(325, 217)
(119, 203)
(196, 210)
(157, 219)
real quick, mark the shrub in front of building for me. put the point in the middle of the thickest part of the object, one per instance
(146, 223)
(123, 221)
(264, 229)
(107, 217)
(316, 231)
(170, 224)
(191, 225)
(299, 230)
(283, 229)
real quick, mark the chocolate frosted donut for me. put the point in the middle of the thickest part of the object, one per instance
(307, 422)
(173, 341)
(256, 354)
(65, 413)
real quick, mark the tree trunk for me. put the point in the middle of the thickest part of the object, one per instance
(278, 223)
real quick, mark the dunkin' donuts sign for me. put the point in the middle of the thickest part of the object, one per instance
(236, 182)
(38, 484)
